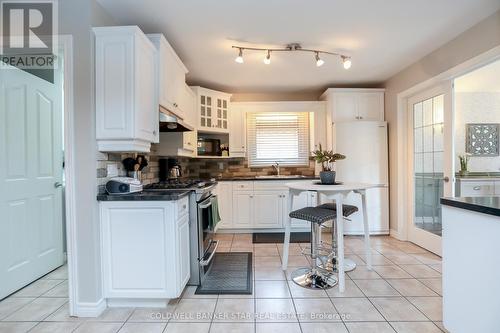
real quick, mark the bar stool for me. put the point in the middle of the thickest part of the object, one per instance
(329, 260)
(314, 277)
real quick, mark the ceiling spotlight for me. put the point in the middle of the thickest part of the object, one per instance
(347, 62)
(267, 59)
(239, 58)
(319, 61)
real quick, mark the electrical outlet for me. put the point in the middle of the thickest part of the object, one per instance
(112, 170)
(221, 166)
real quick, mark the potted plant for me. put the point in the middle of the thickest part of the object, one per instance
(326, 158)
(464, 162)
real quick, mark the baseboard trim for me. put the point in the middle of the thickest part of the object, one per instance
(396, 234)
(90, 310)
(137, 303)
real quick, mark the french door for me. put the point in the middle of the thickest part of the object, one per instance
(430, 157)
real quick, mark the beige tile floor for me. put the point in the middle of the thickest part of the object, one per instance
(402, 294)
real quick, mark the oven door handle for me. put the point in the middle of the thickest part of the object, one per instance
(207, 261)
(208, 204)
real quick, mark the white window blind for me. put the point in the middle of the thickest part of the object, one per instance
(281, 137)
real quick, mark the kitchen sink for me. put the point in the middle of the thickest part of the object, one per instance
(279, 176)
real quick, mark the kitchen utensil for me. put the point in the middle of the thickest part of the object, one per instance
(142, 161)
(129, 163)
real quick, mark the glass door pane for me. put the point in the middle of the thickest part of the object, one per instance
(428, 170)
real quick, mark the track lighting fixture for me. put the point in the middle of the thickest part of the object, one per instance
(267, 59)
(239, 58)
(319, 61)
(346, 60)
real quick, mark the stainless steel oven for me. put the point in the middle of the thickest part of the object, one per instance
(203, 246)
(208, 245)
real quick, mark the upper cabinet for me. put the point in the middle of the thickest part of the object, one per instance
(126, 94)
(171, 76)
(237, 132)
(354, 104)
(212, 109)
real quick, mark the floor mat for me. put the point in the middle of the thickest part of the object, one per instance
(231, 273)
(279, 237)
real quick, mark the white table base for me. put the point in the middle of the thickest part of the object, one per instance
(336, 193)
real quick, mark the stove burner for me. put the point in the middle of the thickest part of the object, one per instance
(176, 184)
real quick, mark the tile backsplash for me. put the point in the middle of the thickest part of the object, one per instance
(235, 167)
(150, 173)
(192, 168)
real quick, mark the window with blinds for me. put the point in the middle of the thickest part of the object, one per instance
(281, 137)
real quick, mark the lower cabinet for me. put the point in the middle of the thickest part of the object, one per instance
(268, 208)
(259, 205)
(145, 248)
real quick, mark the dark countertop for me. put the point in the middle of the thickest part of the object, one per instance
(253, 178)
(167, 195)
(486, 205)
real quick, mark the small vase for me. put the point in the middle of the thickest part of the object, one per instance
(327, 177)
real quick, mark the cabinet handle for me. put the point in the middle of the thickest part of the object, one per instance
(476, 188)
(183, 206)
(251, 196)
(154, 132)
(360, 117)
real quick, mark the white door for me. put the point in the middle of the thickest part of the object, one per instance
(430, 157)
(31, 170)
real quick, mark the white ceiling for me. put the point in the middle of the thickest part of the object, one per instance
(382, 36)
(484, 79)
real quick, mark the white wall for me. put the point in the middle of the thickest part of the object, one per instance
(480, 38)
(476, 107)
(76, 18)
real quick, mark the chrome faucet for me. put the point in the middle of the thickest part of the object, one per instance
(276, 165)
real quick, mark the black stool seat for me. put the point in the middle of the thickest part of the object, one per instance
(314, 214)
(347, 209)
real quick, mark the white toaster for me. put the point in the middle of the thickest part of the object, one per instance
(123, 185)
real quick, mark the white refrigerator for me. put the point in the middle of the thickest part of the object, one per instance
(364, 143)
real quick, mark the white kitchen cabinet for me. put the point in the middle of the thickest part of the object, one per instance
(354, 104)
(126, 91)
(468, 187)
(145, 249)
(243, 210)
(177, 144)
(268, 209)
(237, 133)
(171, 76)
(224, 193)
(182, 259)
(259, 205)
(212, 109)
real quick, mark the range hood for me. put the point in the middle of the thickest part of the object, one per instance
(169, 122)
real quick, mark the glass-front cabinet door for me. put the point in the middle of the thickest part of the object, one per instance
(206, 111)
(213, 110)
(222, 113)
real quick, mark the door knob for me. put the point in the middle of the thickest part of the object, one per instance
(446, 179)
(58, 184)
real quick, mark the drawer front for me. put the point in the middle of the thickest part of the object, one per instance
(475, 189)
(243, 186)
(275, 185)
(182, 206)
